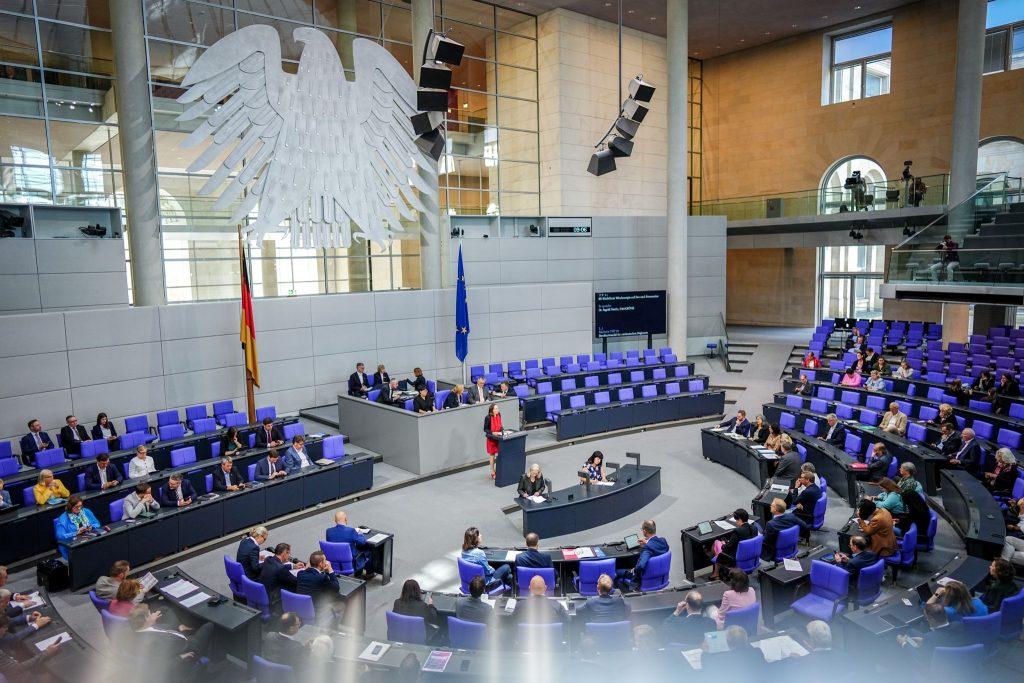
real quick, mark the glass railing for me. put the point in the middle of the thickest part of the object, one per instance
(985, 245)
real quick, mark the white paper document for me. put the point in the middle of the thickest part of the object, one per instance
(792, 565)
(34, 601)
(584, 552)
(193, 600)
(180, 588)
(363, 529)
(535, 499)
(376, 538)
(148, 581)
(603, 483)
(780, 647)
(722, 524)
(511, 555)
(693, 657)
(374, 651)
(510, 605)
(264, 554)
(62, 637)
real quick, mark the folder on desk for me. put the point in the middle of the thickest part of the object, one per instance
(569, 554)
(858, 466)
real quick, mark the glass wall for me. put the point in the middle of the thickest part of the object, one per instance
(861, 64)
(849, 278)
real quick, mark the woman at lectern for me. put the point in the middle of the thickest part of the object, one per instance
(492, 429)
(593, 468)
(532, 483)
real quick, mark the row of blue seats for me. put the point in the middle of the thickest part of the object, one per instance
(592, 381)
(553, 402)
(521, 370)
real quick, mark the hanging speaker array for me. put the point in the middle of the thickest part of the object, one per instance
(439, 54)
(618, 141)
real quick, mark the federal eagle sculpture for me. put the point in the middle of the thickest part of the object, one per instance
(331, 156)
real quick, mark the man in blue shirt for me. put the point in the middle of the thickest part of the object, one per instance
(653, 546)
(780, 521)
(341, 532)
(532, 558)
(295, 458)
(604, 607)
(319, 582)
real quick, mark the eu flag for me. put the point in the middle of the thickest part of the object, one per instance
(461, 314)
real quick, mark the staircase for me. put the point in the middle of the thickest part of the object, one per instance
(796, 359)
(738, 355)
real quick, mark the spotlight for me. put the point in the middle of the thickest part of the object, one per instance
(431, 143)
(431, 99)
(907, 230)
(856, 234)
(634, 110)
(435, 75)
(458, 232)
(441, 48)
(534, 230)
(621, 147)
(640, 90)
(439, 54)
(627, 127)
(623, 129)
(426, 121)
(601, 162)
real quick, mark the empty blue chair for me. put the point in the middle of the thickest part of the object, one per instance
(830, 586)
(49, 457)
(665, 351)
(552, 406)
(787, 420)
(565, 360)
(116, 628)
(1008, 438)
(670, 358)
(610, 636)
(5, 450)
(172, 431)
(869, 583)
(614, 363)
(810, 427)
(116, 510)
(980, 406)
(819, 406)
(267, 411)
(1012, 611)
(672, 388)
(525, 574)
(1017, 410)
(818, 519)
(876, 403)
(568, 384)
(853, 444)
(334, 447)
(827, 393)
(906, 555)
(632, 353)
(495, 369)
(467, 635)
(339, 555)
(851, 398)
(870, 417)
(136, 423)
(591, 381)
(90, 449)
(648, 391)
(746, 617)
(803, 453)
(655, 576)
(590, 572)
(593, 366)
(256, 596)
(928, 413)
(982, 429)
(794, 402)
(406, 629)
(633, 362)
(636, 376)
(476, 371)
(515, 370)
(222, 408)
(600, 357)
(626, 394)
(544, 388)
(748, 553)
(577, 401)
(167, 417)
(521, 390)
(233, 420)
(572, 367)
(681, 371)
(786, 543)
(9, 466)
(250, 472)
(615, 355)
(614, 378)
(917, 432)
(926, 541)
(234, 572)
(193, 413)
(984, 630)
(204, 425)
(532, 374)
(183, 456)
(601, 398)
(130, 440)
(301, 605)
(439, 398)
(267, 671)
(291, 430)
(659, 373)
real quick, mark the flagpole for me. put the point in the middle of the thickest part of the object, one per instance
(250, 399)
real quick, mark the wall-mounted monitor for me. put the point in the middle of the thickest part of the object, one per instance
(623, 314)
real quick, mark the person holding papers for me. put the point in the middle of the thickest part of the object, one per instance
(737, 424)
(531, 558)
(248, 553)
(390, 394)
(593, 468)
(492, 430)
(16, 669)
(295, 458)
(532, 483)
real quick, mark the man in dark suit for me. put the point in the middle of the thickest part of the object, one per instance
(536, 608)
(478, 394)
(319, 582)
(687, 625)
(422, 403)
(269, 468)
(822, 657)
(604, 607)
(878, 462)
(169, 654)
(870, 358)
(275, 572)
(859, 558)
(177, 493)
(780, 521)
(389, 394)
(269, 435)
(248, 553)
(381, 377)
(806, 499)
(738, 662)
(472, 607)
(949, 442)
(358, 384)
(787, 467)
(836, 432)
(280, 645)
(341, 532)
(737, 424)
(653, 547)
(227, 478)
(531, 557)
(36, 440)
(969, 456)
(941, 633)
(72, 435)
(102, 475)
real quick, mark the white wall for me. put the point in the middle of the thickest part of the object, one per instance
(129, 361)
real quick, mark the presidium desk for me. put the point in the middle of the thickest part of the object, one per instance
(426, 443)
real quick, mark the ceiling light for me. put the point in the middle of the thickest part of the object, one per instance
(767, 33)
(793, 25)
(630, 11)
(465, 105)
(653, 18)
(856, 7)
(824, 16)
(743, 40)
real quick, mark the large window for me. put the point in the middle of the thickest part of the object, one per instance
(1004, 42)
(849, 281)
(837, 194)
(861, 64)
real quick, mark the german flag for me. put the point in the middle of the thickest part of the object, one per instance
(248, 329)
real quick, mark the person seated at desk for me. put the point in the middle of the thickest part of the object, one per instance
(422, 403)
(501, 392)
(970, 456)
(780, 521)
(758, 430)
(949, 440)
(653, 546)
(803, 387)
(604, 607)
(687, 624)
(129, 594)
(725, 549)
(835, 435)
(894, 421)
(390, 394)
(102, 475)
(472, 553)
(49, 490)
(871, 358)
(341, 532)
(295, 458)
(860, 557)
(17, 667)
(890, 497)
(850, 378)
(593, 468)
(248, 553)
(1013, 546)
(1001, 584)
(737, 424)
(72, 435)
(17, 614)
(418, 381)
(227, 478)
(142, 464)
(76, 520)
(877, 526)
(381, 377)
(472, 607)
(319, 582)
(774, 437)
(907, 480)
(276, 571)
(140, 502)
(106, 586)
(478, 394)
(859, 365)
(856, 341)
(358, 384)
(985, 383)
(874, 382)
(269, 435)
(170, 654)
(532, 482)
(231, 444)
(5, 498)
(269, 469)
(454, 397)
(812, 361)
(739, 596)
(280, 645)
(1000, 481)
(808, 468)
(1008, 388)
(945, 416)
(904, 371)
(177, 493)
(882, 367)
(410, 603)
(787, 467)
(532, 558)
(806, 500)
(878, 462)
(741, 661)
(957, 601)
(104, 429)
(961, 391)
(536, 608)
(36, 440)
(941, 633)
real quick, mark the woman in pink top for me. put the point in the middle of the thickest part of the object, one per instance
(739, 596)
(851, 378)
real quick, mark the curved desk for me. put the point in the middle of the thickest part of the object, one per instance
(739, 454)
(974, 513)
(581, 507)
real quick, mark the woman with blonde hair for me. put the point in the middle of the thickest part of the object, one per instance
(49, 490)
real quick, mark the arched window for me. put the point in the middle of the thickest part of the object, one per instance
(833, 193)
(1001, 155)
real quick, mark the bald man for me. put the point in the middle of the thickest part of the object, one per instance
(341, 532)
(536, 608)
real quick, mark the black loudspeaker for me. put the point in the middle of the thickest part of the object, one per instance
(640, 90)
(431, 143)
(601, 162)
(627, 127)
(634, 110)
(432, 99)
(620, 147)
(435, 75)
(445, 50)
(53, 575)
(426, 121)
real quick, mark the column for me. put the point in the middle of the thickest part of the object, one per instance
(430, 234)
(970, 50)
(138, 153)
(678, 78)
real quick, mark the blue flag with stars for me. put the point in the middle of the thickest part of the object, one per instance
(461, 314)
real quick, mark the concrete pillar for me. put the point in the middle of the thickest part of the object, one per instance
(268, 268)
(138, 153)
(678, 78)
(955, 323)
(430, 234)
(986, 316)
(970, 50)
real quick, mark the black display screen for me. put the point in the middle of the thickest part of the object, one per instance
(621, 314)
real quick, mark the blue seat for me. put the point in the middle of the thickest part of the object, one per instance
(794, 402)
(830, 586)
(917, 433)
(655, 576)
(99, 603)
(827, 393)
(540, 637)
(440, 397)
(870, 417)
(820, 507)
(810, 427)
(204, 425)
(137, 423)
(267, 671)
(984, 629)
(468, 570)
(334, 447)
(957, 663)
(525, 574)
(636, 376)
(90, 449)
(167, 417)
(234, 572)
(116, 628)
(786, 543)
(844, 412)
(116, 510)
(405, 629)
(301, 605)
(626, 394)
(6, 451)
(610, 636)
(926, 541)
(49, 457)
(467, 635)
(681, 371)
(850, 398)
(552, 406)
(672, 388)
(340, 556)
(819, 406)
(746, 617)
(193, 413)
(853, 444)
(256, 596)
(875, 403)
(292, 430)
(544, 388)
(476, 371)
(269, 411)
(869, 583)
(183, 456)
(980, 406)
(222, 408)
(748, 553)
(9, 466)
(172, 431)
(787, 420)
(591, 381)
(568, 384)
(695, 385)
(982, 429)
(1008, 438)
(648, 391)
(1012, 611)
(233, 420)
(906, 555)
(601, 398)
(590, 572)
